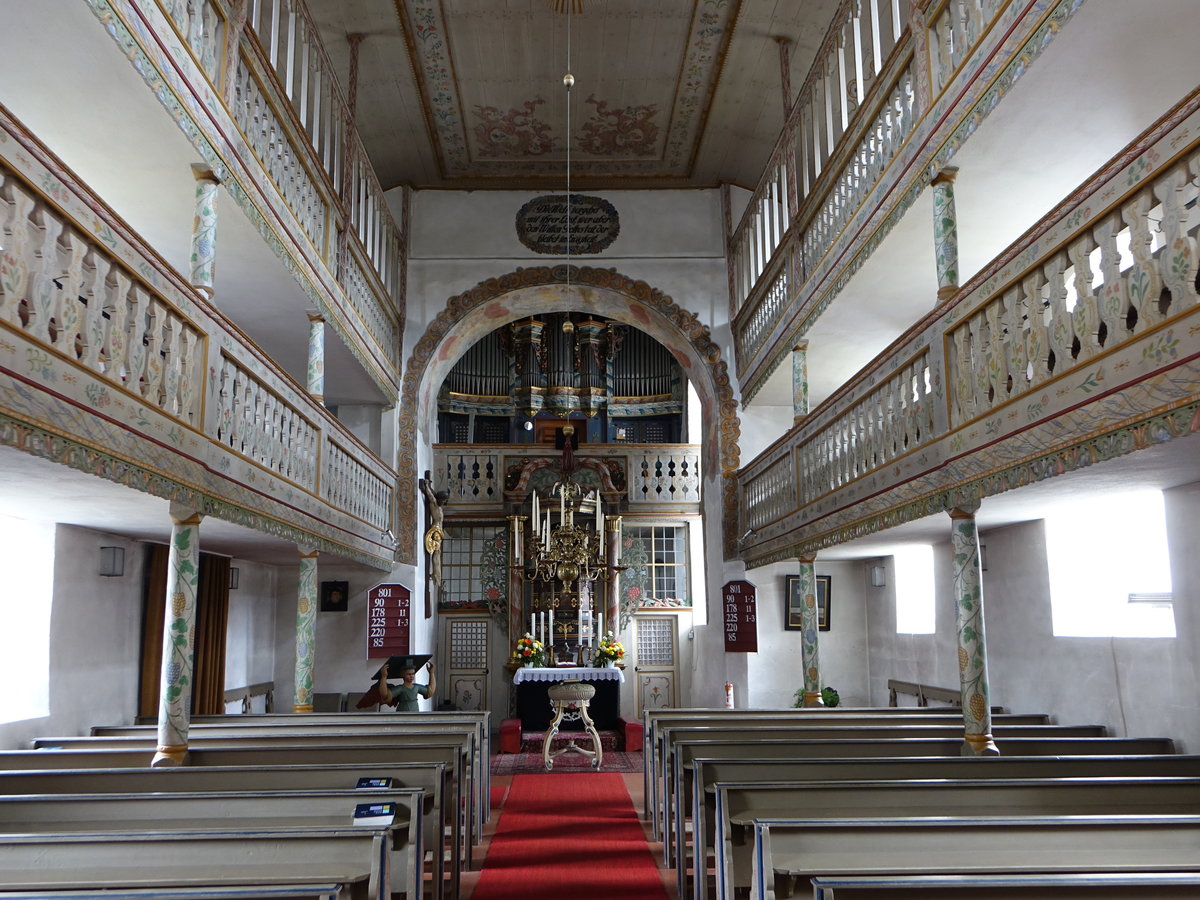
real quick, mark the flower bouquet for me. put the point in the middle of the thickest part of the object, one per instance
(608, 652)
(529, 652)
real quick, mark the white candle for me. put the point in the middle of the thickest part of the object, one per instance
(536, 516)
(579, 629)
(562, 504)
(599, 514)
(532, 624)
(599, 626)
(551, 644)
(542, 626)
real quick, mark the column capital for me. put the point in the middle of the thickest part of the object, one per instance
(308, 552)
(800, 346)
(945, 175)
(202, 172)
(964, 508)
(316, 316)
(184, 515)
(807, 560)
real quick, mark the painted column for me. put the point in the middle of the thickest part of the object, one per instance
(179, 634)
(799, 382)
(945, 233)
(204, 230)
(306, 630)
(809, 651)
(612, 609)
(972, 648)
(316, 357)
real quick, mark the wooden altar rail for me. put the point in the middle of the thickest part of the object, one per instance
(923, 692)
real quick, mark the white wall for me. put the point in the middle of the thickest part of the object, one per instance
(775, 673)
(95, 640)
(1136, 686)
(250, 635)
(341, 663)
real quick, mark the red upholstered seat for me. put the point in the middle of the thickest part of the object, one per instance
(510, 736)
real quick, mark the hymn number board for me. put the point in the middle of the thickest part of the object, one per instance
(387, 620)
(741, 617)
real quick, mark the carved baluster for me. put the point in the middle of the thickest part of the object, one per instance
(1058, 331)
(116, 337)
(225, 396)
(43, 294)
(1114, 298)
(187, 376)
(1085, 317)
(1177, 261)
(136, 328)
(980, 339)
(240, 401)
(16, 208)
(963, 369)
(1012, 345)
(95, 325)
(156, 325)
(1038, 339)
(68, 310)
(173, 339)
(993, 354)
(1143, 279)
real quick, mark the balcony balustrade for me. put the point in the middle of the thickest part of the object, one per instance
(868, 95)
(656, 474)
(1077, 343)
(279, 87)
(116, 366)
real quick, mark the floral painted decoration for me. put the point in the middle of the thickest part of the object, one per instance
(529, 651)
(608, 650)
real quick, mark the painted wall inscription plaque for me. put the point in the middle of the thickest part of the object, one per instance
(542, 224)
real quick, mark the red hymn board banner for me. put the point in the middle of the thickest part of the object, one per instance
(387, 620)
(741, 617)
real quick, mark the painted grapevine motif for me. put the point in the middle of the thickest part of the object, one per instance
(972, 654)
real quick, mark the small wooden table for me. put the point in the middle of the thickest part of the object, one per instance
(564, 696)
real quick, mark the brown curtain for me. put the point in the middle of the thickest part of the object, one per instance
(153, 607)
(212, 618)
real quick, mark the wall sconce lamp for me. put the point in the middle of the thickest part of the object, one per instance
(234, 577)
(112, 561)
(878, 576)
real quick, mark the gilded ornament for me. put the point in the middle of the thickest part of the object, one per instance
(978, 706)
(302, 606)
(178, 602)
(963, 660)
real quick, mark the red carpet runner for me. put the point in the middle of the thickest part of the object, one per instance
(569, 837)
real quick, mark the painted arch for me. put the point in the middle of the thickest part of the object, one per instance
(603, 292)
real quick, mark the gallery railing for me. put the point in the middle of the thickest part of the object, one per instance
(274, 75)
(112, 332)
(858, 108)
(654, 473)
(1071, 333)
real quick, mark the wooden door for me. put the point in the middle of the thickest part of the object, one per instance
(656, 661)
(466, 645)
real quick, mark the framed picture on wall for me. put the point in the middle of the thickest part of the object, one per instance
(793, 608)
(335, 596)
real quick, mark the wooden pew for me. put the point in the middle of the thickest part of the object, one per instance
(737, 806)
(656, 719)
(1070, 886)
(670, 779)
(225, 813)
(429, 777)
(683, 751)
(206, 892)
(481, 719)
(349, 721)
(469, 778)
(355, 856)
(450, 752)
(798, 849)
(708, 771)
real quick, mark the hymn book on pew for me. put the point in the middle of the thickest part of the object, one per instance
(374, 813)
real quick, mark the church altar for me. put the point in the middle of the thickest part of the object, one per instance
(533, 702)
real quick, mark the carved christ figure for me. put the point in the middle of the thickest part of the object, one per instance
(436, 533)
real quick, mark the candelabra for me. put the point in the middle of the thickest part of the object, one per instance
(565, 550)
